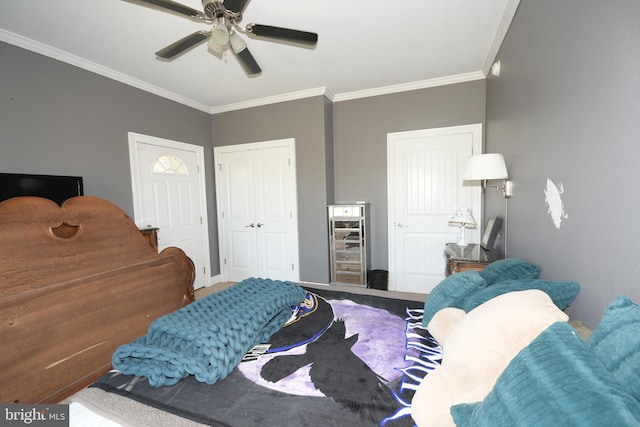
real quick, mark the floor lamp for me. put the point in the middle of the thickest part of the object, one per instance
(487, 167)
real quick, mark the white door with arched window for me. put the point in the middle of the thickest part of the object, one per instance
(168, 192)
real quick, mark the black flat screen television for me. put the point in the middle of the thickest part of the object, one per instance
(56, 188)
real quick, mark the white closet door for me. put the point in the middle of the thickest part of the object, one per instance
(425, 190)
(239, 249)
(257, 210)
(275, 227)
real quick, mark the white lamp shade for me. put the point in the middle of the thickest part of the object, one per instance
(485, 167)
(463, 218)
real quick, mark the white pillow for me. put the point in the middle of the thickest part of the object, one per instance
(477, 348)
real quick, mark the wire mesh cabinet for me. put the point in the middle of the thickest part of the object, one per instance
(348, 245)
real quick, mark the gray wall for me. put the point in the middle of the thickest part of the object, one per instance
(309, 122)
(351, 138)
(566, 107)
(360, 143)
(61, 120)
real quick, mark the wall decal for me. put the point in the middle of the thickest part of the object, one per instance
(555, 207)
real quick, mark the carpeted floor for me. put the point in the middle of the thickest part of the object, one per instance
(207, 290)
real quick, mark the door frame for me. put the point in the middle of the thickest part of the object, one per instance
(477, 148)
(217, 151)
(138, 138)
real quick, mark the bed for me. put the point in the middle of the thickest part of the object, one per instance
(82, 290)
(77, 281)
(80, 283)
(351, 359)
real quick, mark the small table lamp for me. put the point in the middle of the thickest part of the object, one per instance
(463, 218)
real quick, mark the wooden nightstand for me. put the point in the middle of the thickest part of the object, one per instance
(470, 257)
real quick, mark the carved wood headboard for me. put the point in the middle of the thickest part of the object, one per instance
(76, 282)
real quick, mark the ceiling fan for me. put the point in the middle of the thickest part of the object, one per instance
(225, 18)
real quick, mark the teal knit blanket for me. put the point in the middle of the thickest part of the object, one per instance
(209, 337)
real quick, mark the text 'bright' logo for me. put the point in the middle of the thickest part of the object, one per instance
(34, 414)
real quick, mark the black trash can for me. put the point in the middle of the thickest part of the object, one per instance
(378, 279)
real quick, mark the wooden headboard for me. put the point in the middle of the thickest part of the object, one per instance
(76, 282)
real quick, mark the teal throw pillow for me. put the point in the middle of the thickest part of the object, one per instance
(509, 269)
(562, 293)
(452, 292)
(555, 381)
(616, 343)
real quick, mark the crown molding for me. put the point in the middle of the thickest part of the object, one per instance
(60, 55)
(509, 12)
(51, 52)
(270, 100)
(405, 87)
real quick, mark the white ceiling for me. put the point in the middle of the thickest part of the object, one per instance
(365, 47)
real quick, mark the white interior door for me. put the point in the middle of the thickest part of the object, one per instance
(236, 212)
(169, 194)
(425, 189)
(257, 210)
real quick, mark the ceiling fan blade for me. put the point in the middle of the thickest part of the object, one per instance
(246, 58)
(283, 34)
(175, 7)
(235, 5)
(183, 44)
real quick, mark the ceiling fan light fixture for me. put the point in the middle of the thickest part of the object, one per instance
(220, 35)
(225, 16)
(237, 44)
(215, 47)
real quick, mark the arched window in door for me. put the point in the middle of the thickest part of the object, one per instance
(170, 163)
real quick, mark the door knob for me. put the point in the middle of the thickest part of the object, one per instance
(401, 225)
(250, 225)
(260, 224)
